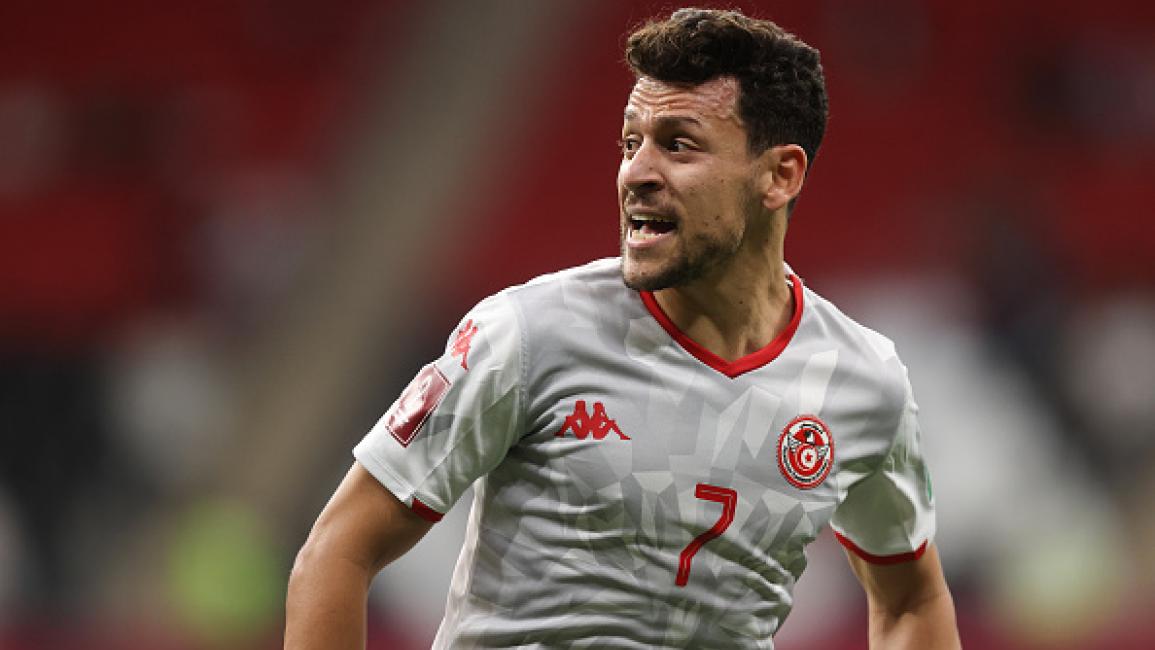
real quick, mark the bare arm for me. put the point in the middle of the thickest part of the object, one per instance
(362, 528)
(909, 603)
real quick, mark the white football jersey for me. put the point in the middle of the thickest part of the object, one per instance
(636, 490)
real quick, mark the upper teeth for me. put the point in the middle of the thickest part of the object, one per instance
(648, 217)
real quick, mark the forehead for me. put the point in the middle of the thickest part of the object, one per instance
(715, 99)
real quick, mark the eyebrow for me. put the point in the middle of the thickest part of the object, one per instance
(666, 120)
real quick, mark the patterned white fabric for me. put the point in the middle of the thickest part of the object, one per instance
(607, 450)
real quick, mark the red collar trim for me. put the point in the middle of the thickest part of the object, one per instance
(741, 365)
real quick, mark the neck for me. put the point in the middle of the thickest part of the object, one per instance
(737, 310)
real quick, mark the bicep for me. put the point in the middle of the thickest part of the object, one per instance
(365, 523)
(901, 586)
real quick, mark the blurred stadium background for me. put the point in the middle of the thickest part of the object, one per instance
(231, 231)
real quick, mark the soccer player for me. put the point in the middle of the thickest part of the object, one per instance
(655, 438)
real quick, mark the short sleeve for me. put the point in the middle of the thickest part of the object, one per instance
(457, 419)
(888, 516)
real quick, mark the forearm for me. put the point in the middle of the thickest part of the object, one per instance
(927, 624)
(326, 602)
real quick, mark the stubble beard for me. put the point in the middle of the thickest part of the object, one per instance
(698, 258)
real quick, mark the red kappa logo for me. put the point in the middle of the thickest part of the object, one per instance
(462, 341)
(409, 412)
(805, 451)
(583, 424)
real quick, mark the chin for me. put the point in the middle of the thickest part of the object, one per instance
(634, 277)
(639, 283)
(651, 278)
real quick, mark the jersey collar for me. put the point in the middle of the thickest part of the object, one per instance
(741, 365)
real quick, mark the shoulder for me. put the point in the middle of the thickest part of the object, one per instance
(573, 295)
(849, 331)
(602, 276)
(557, 286)
(873, 355)
(548, 305)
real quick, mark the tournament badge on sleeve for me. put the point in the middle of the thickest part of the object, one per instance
(805, 452)
(409, 412)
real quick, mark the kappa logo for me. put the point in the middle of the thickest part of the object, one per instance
(584, 424)
(805, 452)
(462, 341)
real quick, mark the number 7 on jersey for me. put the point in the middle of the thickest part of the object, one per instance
(729, 500)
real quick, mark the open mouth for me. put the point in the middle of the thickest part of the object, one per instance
(644, 227)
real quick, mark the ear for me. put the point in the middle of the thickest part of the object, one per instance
(783, 176)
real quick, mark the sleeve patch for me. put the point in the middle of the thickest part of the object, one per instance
(409, 412)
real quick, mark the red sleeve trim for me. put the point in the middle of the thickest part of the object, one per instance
(425, 512)
(744, 364)
(881, 559)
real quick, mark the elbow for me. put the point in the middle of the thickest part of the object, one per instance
(324, 556)
(305, 562)
(927, 622)
(315, 557)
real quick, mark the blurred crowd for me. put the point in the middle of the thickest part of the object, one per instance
(231, 231)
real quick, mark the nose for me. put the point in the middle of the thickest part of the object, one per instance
(640, 174)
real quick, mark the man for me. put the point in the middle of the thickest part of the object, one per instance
(655, 455)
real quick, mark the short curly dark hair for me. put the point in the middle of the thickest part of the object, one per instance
(782, 98)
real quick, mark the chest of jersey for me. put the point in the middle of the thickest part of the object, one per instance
(658, 464)
(649, 495)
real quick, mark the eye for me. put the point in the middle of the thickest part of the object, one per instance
(629, 145)
(681, 145)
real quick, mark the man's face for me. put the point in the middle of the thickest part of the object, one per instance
(686, 185)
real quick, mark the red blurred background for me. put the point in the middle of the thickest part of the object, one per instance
(231, 231)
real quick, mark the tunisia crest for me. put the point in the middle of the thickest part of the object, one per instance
(805, 452)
